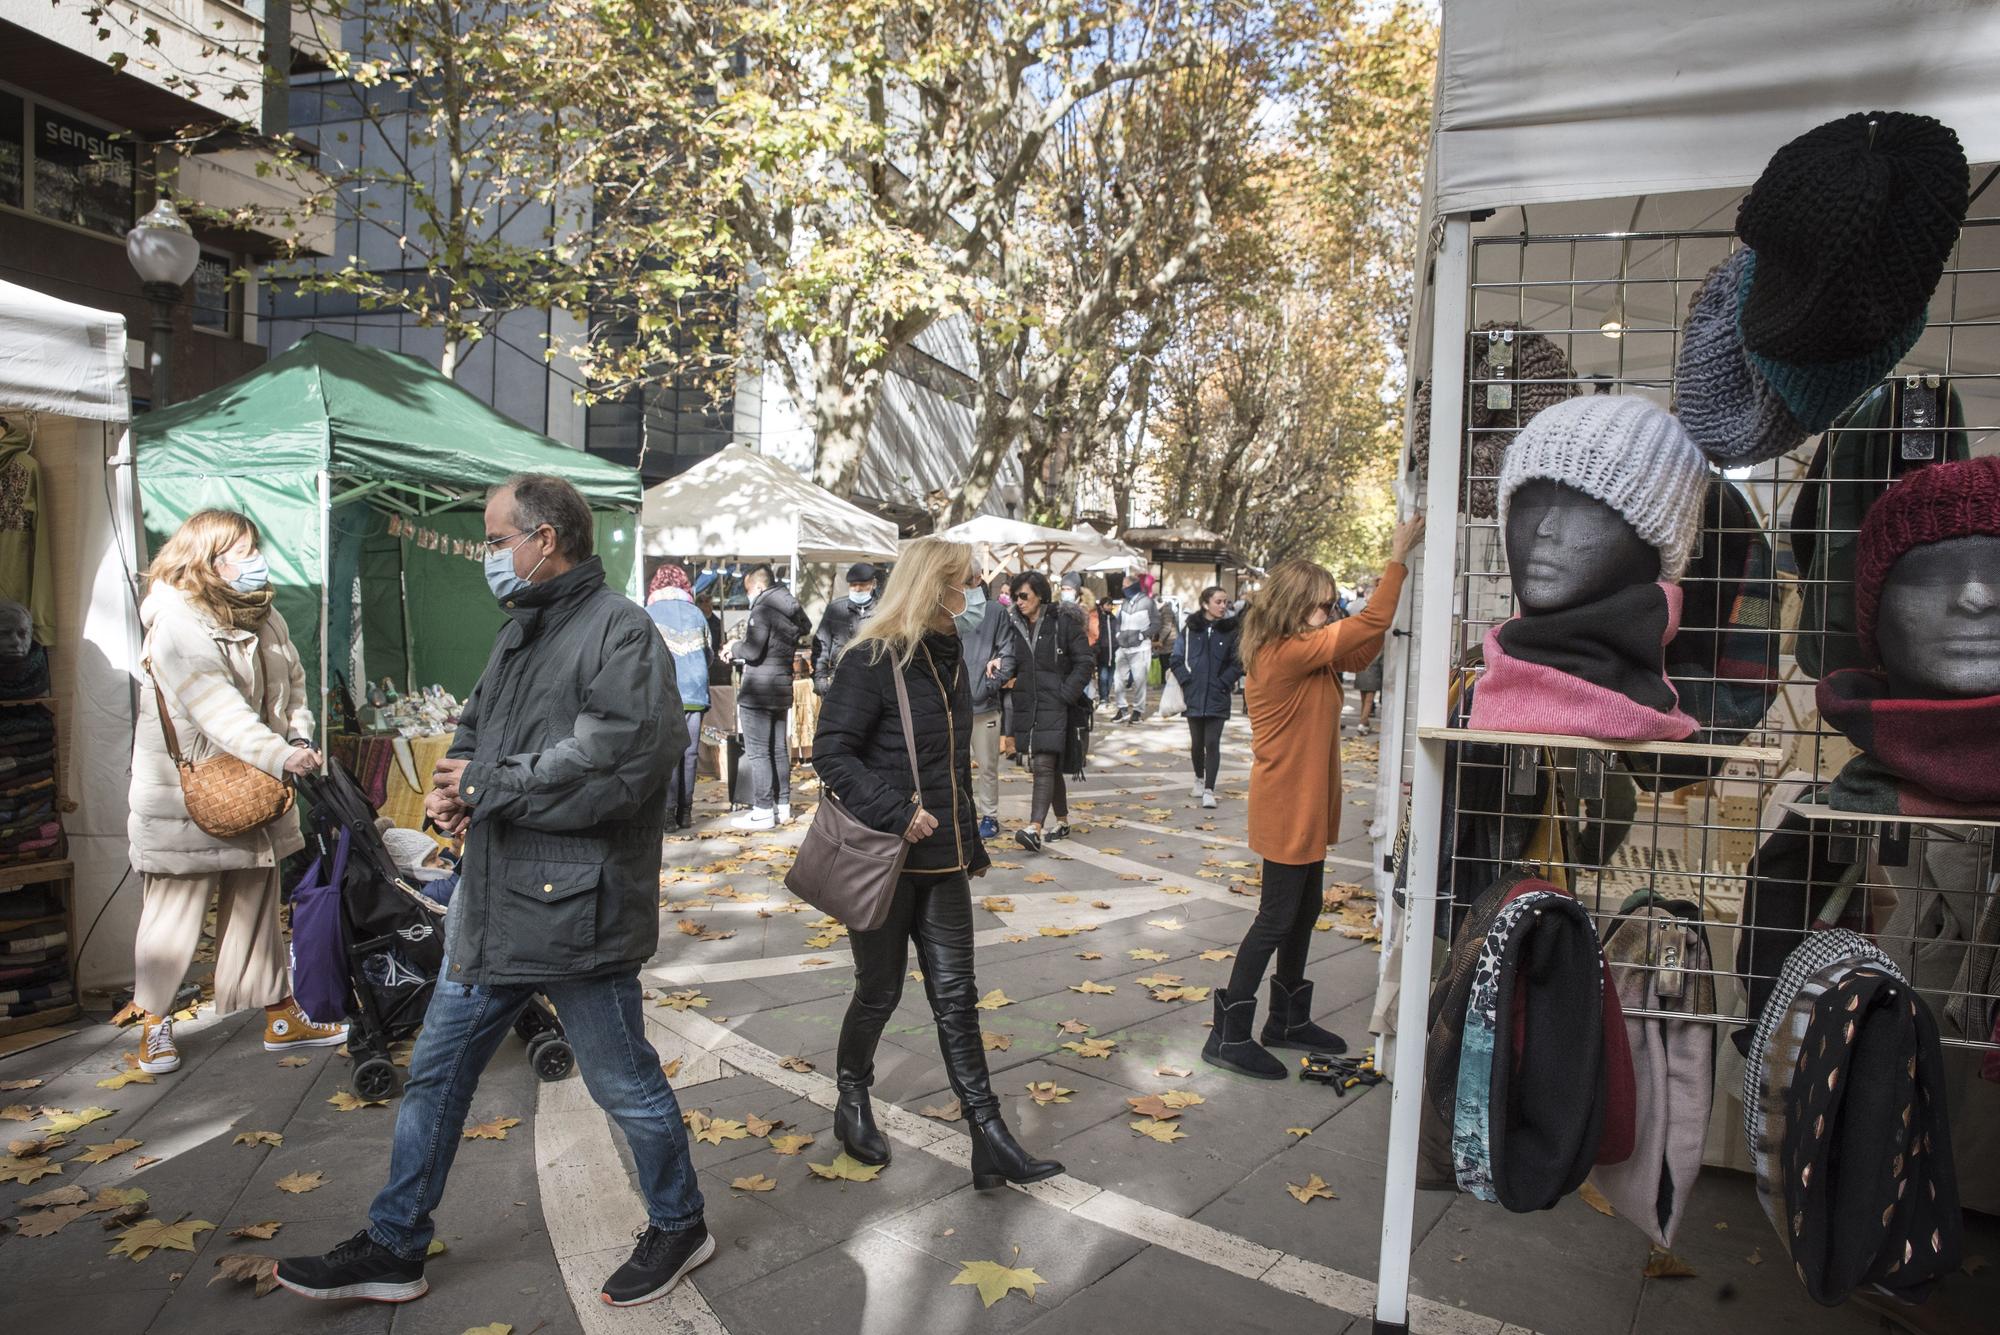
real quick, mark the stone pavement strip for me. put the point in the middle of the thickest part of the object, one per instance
(1195, 1234)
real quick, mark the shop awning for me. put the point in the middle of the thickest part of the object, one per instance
(1018, 545)
(58, 357)
(745, 506)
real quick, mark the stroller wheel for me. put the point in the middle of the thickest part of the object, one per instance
(375, 1078)
(551, 1057)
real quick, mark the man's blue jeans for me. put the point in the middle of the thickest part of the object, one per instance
(463, 1028)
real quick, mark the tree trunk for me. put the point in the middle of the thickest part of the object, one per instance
(843, 409)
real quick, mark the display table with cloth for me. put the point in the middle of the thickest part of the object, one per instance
(395, 786)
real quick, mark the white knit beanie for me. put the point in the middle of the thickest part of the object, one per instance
(1624, 451)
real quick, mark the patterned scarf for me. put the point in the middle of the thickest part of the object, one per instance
(1920, 757)
(247, 611)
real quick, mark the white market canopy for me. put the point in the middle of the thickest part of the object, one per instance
(1543, 101)
(1015, 544)
(742, 505)
(58, 357)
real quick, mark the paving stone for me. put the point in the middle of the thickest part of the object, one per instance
(1599, 1285)
(1163, 1291)
(869, 1284)
(1016, 1230)
(752, 1238)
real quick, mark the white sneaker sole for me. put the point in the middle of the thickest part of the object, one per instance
(287, 1044)
(706, 1250)
(379, 1291)
(160, 1066)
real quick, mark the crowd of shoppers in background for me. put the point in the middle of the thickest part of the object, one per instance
(766, 652)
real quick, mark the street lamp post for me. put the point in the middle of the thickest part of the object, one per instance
(164, 253)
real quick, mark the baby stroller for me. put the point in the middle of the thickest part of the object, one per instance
(368, 943)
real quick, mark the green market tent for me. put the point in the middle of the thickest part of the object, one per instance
(367, 472)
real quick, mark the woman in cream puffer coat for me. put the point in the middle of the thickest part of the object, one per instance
(222, 657)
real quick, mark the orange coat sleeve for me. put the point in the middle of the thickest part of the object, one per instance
(1350, 645)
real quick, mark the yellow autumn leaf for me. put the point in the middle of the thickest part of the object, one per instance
(943, 1112)
(298, 1184)
(348, 1102)
(1039, 878)
(686, 999)
(1158, 980)
(1182, 1098)
(1089, 988)
(259, 1138)
(150, 1235)
(755, 1182)
(997, 903)
(1093, 1047)
(1663, 1264)
(263, 1232)
(994, 1000)
(496, 1129)
(995, 1281)
(1219, 953)
(993, 1042)
(790, 1145)
(1315, 1188)
(1166, 924)
(1300, 1131)
(107, 1151)
(1164, 1132)
(24, 1171)
(247, 1268)
(62, 1123)
(761, 1127)
(845, 1169)
(1149, 956)
(490, 1328)
(124, 1078)
(1591, 1196)
(1048, 1091)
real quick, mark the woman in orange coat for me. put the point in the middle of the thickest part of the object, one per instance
(1293, 655)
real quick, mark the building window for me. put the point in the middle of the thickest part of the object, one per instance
(82, 174)
(13, 149)
(215, 293)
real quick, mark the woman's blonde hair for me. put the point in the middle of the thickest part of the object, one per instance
(187, 560)
(1281, 608)
(927, 568)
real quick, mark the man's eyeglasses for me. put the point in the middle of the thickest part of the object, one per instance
(493, 545)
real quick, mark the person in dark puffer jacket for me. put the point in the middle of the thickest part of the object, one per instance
(1052, 667)
(763, 701)
(860, 754)
(1206, 665)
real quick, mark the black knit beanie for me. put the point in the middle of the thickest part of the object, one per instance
(1852, 223)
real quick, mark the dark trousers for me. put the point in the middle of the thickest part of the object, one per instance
(680, 780)
(1051, 788)
(1292, 899)
(935, 912)
(767, 748)
(1205, 742)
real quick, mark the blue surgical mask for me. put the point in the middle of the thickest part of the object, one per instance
(974, 613)
(501, 576)
(252, 574)
(863, 598)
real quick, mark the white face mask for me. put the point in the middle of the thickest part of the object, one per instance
(1068, 594)
(861, 597)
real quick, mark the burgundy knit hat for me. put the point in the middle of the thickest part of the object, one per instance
(1933, 504)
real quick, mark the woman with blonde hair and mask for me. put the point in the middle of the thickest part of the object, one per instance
(860, 754)
(1293, 653)
(221, 657)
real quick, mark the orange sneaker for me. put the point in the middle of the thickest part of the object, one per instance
(157, 1053)
(286, 1027)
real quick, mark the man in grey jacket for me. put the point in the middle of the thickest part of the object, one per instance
(558, 780)
(1138, 624)
(989, 661)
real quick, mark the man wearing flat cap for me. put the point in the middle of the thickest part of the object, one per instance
(843, 616)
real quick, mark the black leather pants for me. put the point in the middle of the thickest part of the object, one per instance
(936, 913)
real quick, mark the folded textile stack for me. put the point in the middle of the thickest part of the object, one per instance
(29, 828)
(34, 952)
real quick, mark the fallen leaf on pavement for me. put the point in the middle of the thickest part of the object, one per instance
(1165, 924)
(993, 1042)
(58, 1196)
(790, 1145)
(998, 865)
(1039, 878)
(1090, 954)
(247, 1268)
(1071, 899)
(1315, 1188)
(151, 1235)
(799, 1064)
(1180, 994)
(124, 1078)
(1093, 1047)
(761, 1127)
(62, 1123)
(944, 1112)
(755, 1182)
(1182, 1098)
(47, 1223)
(1164, 1132)
(1591, 1196)
(35, 1146)
(1149, 956)
(1056, 931)
(348, 1102)
(1100, 903)
(495, 1129)
(671, 1069)
(1073, 1027)
(997, 904)
(1153, 1106)
(490, 1328)
(1663, 1264)
(995, 1281)
(107, 1151)
(437, 1248)
(35, 1083)
(685, 999)
(1089, 988)
(1045, 1092)
(25, 1171)
(1158, 980)
(714, 1130)
(112, 1199)
(259, 1138)
(263, 1232)
(1756, 1256)
(1217, 954)
(298, 1184)
(1173, 1072)
(994, 1000)
(294, 1061)
(1299, 1131)
(845, 1169)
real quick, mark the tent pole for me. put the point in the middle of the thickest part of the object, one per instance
(325, 576)
(1399, 1195)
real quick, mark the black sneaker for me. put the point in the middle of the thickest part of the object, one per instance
(1028, 839)
(657, 1264)
(1060, 831)
(357, 1268)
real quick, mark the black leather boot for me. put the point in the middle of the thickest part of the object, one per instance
(1230, 1045)
(683, 817)
(854, 1126)
(1290, 1025)
(997, 1158)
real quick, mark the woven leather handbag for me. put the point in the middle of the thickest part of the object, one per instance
(226, 797)
(848, 869)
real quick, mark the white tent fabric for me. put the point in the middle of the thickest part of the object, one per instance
(57, 357)
(747, 506)
(1548, 100)
(1018, 545)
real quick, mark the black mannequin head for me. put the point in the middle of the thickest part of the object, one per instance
(1937, 627)
(1566, 549)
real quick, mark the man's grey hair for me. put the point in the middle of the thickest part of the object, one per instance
(540, 498)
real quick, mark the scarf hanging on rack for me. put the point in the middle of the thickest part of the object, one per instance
(1919, 757)
(1592, 671)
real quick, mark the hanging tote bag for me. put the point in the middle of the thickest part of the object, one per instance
(225, 796)
(319, 945)
(1173, 701)
(848, 869)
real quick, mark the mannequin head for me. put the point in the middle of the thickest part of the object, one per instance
(1565, 549)
(1937, 627)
